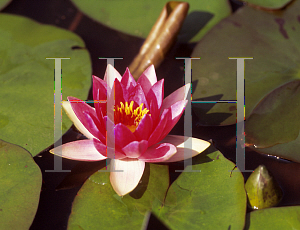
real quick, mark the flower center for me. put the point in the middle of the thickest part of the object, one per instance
(128, 116)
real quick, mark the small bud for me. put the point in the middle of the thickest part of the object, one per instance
(262, 189)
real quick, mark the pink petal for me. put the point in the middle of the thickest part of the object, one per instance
(101, 148)
(123, 136)
(154, 137)
(71, 114)
(128, 81)
(178, 95)
(80, 108)
(176, 111)
(95, 126)
(82, 150)
(135, 149)
(110, 74)
(119, 95)
(182, 144)
(127, 180)
(147, 79)
(137, 95)
(154, 98)
(158, 153)
(144, 128)
(99, 95)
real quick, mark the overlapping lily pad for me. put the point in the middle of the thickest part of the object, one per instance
(27, 79)
(211, 199)
(274, 218)
(269, 4)
(97, 206)
(4, 3)
(20, 184)
(138, 17)
(271, 78)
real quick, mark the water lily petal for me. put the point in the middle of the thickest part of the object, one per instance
(135, 149)
(159, 153)
(95, 127)
(123, 136)
(181, 144)
(154, 98)
(82, 150)
(119, 93)
(110, 74)
(80, 108)
(147, 79)
(101, 148)
(178, 95)
(71, 114)
(99, 95)
(125, 181)
(128, 81)
(137, 95)
(144, 128)
(155, 135)
(176, 111)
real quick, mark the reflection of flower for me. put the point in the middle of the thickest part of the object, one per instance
(142, 120)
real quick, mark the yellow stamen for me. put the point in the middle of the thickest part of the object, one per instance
(128, 116)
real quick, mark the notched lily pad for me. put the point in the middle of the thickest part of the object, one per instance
(97, 206)
(20, 185)
(211, 199)
(138, 17)
(271, 78)
(4, 3)
(26, 79)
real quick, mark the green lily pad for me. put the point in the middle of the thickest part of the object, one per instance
(211, 199)
(97, 206)
(271, 78)
(4, 3)
(138, 17)
(20, 185)
(286, 218)
(26, 79)
(269, 4)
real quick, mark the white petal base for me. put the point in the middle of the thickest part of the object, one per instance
(125, 181)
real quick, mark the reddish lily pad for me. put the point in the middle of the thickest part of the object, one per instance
(286, 218)
(20, 186)
(26, 79)
(271, 78)
(268, 4)
(97, 206)
(138, 17)
(211, 199)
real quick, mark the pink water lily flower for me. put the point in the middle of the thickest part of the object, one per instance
(142, 121)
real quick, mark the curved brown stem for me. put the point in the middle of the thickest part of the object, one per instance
(161, 37)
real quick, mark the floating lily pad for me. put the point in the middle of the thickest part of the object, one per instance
(27, 79)
(20, 185)
(97, 206)
(138, 17)
(286, 218)
(269, 4)
(4, 3)
(271, 78)
(211, 199)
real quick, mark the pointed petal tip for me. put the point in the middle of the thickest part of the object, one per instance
(196, 146)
